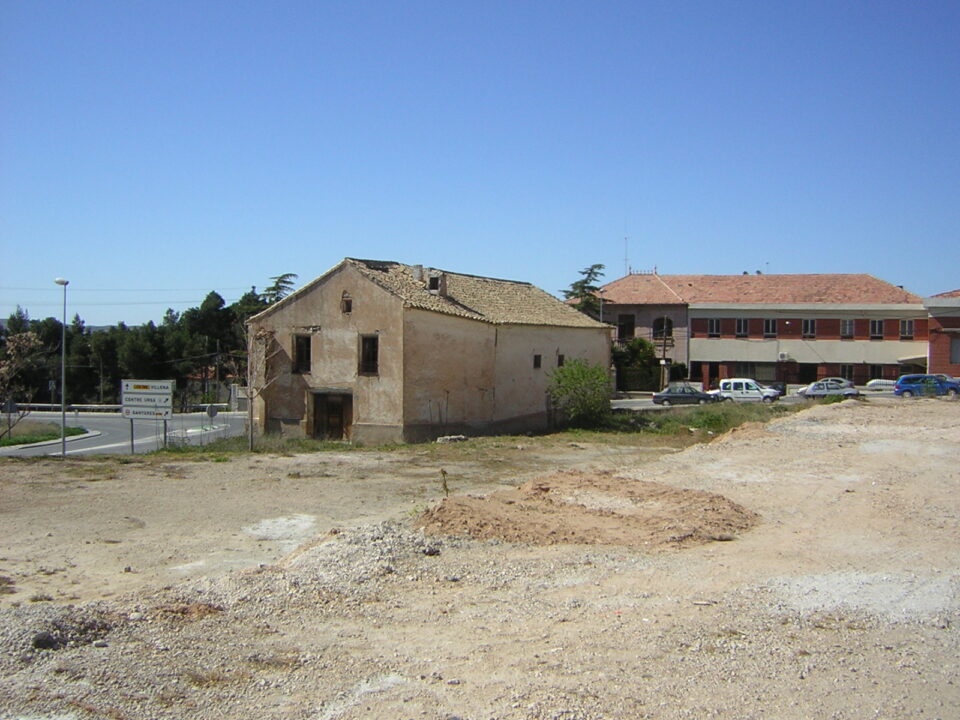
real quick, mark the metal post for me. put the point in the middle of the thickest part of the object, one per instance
(63, 371)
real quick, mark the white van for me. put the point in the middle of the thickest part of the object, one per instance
(746, 390)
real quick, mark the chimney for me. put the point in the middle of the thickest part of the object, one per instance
(438, 284)
(418, 273)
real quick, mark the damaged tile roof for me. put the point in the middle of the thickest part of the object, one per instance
(500, 302)
(755, 289)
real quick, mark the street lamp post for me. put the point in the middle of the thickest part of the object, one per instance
(63, 371)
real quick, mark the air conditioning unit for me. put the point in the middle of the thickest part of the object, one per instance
(782, 356)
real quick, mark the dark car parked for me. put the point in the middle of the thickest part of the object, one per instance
(683, 395)
(925, 386)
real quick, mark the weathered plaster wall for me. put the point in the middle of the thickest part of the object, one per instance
(521, 388)
(335, 354)
(449, 381)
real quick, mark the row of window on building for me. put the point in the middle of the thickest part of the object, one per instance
(369, 354)
(808, 328)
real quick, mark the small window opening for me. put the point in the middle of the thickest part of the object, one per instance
(301, 354)
(560, 360)
(346, 303)
(536, 362)
(369, 355)
(434, 283)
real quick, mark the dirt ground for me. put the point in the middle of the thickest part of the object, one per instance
(807, 568)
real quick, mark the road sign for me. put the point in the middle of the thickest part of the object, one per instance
(147, 398)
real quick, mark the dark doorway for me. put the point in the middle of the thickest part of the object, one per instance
(332, 416)
(807, 373)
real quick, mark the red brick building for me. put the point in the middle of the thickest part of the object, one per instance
(944, 346)
(775, 328)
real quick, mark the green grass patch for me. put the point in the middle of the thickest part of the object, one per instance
(220, 449)
(717, 418)
(27, 432)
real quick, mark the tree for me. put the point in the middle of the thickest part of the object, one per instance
(585, 290)
(282, 286)
(637, 365)
(580, 393)
(261, 373)
(140, 354)
(18, 353)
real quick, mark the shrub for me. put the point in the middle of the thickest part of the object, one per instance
(580, 394)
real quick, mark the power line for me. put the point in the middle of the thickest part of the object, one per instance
(86, 289)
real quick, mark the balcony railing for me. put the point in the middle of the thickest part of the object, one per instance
(660, 342)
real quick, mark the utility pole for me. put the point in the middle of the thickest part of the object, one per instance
(664, 375)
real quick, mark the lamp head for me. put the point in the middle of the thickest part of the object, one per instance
(61, 281)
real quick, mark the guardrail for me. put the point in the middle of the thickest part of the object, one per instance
(55, 407)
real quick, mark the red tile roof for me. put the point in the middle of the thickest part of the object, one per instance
(949, 294)
(755, 289)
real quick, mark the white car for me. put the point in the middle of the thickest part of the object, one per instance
(878, 384)
(745, 390)
(821, 389)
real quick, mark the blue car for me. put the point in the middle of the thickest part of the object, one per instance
(925, 386)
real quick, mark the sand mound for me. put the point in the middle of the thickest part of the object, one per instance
(592, 509)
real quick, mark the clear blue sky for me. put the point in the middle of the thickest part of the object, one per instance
(153, 151)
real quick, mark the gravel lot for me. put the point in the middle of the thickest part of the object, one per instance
(301, 587)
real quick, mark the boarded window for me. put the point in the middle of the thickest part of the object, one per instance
(369, 355)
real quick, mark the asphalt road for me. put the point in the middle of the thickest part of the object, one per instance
(645, 403)
(110, 433)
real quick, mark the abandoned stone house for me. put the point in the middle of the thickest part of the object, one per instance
(378, 352)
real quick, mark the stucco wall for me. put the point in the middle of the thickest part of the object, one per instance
(467, 376)
(805, 351)
(335, 347)
(449, 377)
(520, 387)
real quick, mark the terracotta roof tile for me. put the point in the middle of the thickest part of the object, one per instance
(757, 289)
(949, 294)
(501, 302)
